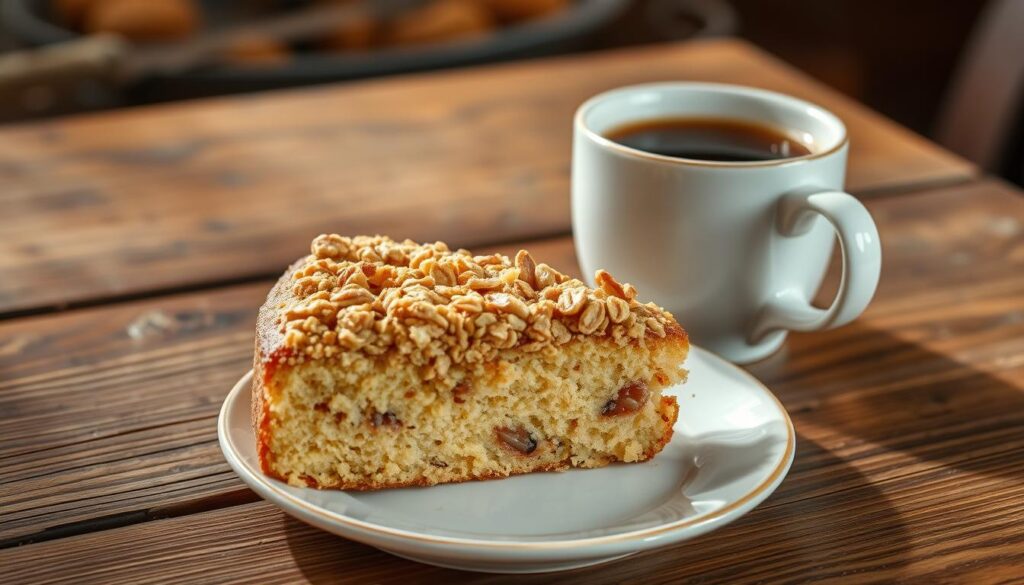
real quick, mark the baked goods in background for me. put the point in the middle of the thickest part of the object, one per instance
(443, 20)
(257, 50)
(143, 21)
(386, 364)
(359, 34)
(436, 21)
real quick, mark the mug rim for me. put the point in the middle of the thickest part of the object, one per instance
(597, 137)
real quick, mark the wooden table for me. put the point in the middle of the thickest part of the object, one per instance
(135, 247)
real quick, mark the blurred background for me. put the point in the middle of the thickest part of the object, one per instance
(953, 71)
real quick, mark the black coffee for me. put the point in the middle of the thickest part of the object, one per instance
(708, 139)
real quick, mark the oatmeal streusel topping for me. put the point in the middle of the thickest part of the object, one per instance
(440, 307)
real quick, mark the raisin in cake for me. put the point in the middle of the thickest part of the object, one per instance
(384, 364)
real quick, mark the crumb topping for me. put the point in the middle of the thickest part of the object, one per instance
(441, 307)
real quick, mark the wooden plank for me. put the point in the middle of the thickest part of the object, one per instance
(166, 198)
(110, 411)
(864, 530)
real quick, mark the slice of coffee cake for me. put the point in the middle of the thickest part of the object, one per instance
(385, 364)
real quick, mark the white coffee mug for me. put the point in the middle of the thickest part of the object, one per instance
(735, 250)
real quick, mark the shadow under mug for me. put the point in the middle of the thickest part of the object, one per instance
(735, 250)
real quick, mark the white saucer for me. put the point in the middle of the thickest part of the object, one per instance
(732, 447)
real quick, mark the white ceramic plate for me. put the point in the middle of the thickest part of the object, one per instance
(732, 446)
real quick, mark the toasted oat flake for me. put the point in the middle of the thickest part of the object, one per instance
(442, 308)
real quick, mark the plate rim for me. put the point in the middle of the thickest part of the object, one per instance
(253, 476)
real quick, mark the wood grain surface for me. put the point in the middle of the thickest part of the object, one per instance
(119, 205)
(910, 422)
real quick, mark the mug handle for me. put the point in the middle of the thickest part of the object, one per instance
(789, 308)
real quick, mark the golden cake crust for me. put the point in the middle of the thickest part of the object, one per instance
(437, 309)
